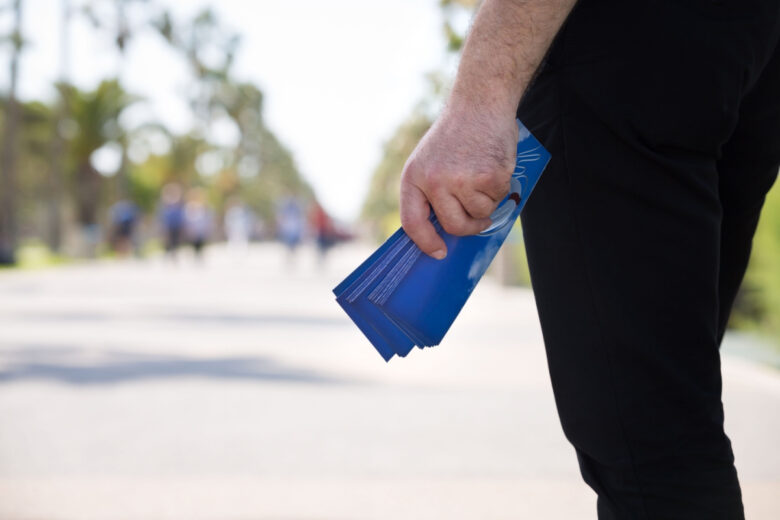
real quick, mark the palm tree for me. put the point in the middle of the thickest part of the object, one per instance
(261, 167)
(96, 114)
(8, 232)
(194, 40)
(121, 32)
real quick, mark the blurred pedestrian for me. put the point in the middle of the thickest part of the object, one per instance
(171, 217)
(197, 220)
(238, 226)
(124, 218)
(324, 232)
(290, 222)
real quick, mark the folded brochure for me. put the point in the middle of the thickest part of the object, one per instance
(401, 298)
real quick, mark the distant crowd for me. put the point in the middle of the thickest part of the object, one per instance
(186, 219)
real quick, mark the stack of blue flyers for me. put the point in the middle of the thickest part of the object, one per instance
(401, 298)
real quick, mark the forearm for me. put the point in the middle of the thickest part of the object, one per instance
(462, 168)
(505, 46)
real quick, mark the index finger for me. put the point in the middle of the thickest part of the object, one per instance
(415, 212)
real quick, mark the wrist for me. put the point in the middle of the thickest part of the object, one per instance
(495, 88)
(487, 106)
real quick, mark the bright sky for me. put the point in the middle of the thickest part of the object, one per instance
(338, 75)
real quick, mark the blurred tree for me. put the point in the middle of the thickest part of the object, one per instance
(95, 114)
(381, 205)
(452, 12)
(758, 302)
(263, 169)
(177, 165)
(182, 158)
(147, 180)
(113, 16)
(260, 168)
(33, 148)
(55, 193)
(209, 48)
(8, 230)
(65, 155)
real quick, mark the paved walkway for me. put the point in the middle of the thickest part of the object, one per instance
(237, 389)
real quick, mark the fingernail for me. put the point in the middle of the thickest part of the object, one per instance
(439, 254)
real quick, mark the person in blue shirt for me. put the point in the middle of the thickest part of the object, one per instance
(124, 218)
(171, 217)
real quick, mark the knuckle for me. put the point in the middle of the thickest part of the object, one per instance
(411, 165)
(441, 178)
(433, 179)
(407, 174)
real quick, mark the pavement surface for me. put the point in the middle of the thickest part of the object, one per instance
(237, 389)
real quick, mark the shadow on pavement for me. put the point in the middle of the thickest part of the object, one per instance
(68, 365)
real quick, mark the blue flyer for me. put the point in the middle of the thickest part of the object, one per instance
(400, 297)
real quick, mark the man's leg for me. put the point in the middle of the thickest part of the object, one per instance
(623, 236)
(628, 305)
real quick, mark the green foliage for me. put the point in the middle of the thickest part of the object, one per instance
(56, 180)
(455, 40)
(758, 303)
(181, 159)
(34, 255)
(451, 10)
(94, 118)
(515, 247)
(263, 169)
(470, 4)
(260, 168)
(32, 161)
(147, 179)
(95, 115)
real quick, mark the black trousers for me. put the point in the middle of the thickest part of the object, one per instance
(663, 120)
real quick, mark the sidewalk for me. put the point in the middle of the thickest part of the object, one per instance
(239, 390)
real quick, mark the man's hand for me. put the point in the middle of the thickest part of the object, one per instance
(461, 169)
(463, 165)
